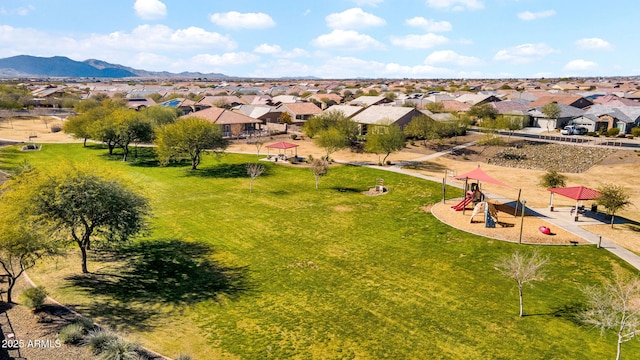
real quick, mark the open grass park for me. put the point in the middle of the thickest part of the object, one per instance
(289, 271)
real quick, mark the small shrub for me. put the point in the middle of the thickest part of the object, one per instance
(592, 133)
(86, 323)
(613, 131)
(120, 349)
(34, 297)
(97, 340)
(293, 136)
(388, 162)
(635, 131)
(71, 334)
(491, 140)
(55, 128)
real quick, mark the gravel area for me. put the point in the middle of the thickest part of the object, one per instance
(539, 156)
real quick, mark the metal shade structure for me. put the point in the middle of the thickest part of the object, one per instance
(283, 145)
(575, 192)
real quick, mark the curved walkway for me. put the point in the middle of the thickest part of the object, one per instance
(565, 222)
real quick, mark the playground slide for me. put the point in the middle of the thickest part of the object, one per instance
(461, 205)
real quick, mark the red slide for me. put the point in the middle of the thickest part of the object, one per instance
(461, 205)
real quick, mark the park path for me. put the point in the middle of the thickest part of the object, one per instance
(560, 218)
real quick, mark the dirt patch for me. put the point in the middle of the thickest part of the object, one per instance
(38, 129)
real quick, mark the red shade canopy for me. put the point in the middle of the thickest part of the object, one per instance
(480, 175)
(282, 145)
(576, 192)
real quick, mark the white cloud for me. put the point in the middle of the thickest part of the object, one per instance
(528, 15)
(227, 59)
(429, 25)
(236, 20)
(347, 40)
(593, 44)
(452, 58)
(150, 9)
(354, 18)
(523, 54)
(276, 50)
(368, 2)
(424, 41)
(579, 65)
(456, 5)
(341, 67)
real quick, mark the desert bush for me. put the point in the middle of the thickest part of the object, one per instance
(71, 334)
(97, 340)
(492, 140)
(120, 349)
(635, 131)
(55, 128)
(86, 323)
(293, 136)
(613, 131)
(592, 133)
(34, 297)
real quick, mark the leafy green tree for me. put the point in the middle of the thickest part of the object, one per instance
(22, 240)
(78, 205)
(615, 306)
(614, 198)
(385, 140)
(484, 112)
(435, 107)
(285, 118)
(331, 140)
(160, 115)
(510, 123)
(553, 179)
(130, 126)
(551, 111)
(422, 128)
(188, 138)
(79, 126)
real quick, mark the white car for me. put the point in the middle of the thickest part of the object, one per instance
(573, 130)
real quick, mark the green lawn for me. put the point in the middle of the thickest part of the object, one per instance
(292, 272)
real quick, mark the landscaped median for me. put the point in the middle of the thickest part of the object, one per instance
(289, 271)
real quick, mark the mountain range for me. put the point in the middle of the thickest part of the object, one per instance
(60, 66)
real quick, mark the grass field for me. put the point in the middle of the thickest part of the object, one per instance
(292, 272)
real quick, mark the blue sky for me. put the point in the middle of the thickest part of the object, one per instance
(334, 38)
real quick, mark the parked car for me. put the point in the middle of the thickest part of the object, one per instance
(573, 130)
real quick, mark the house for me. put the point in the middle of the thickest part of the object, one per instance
(267, 114)
(140, 103)
(227, 101)
(325, 100)
(576, 101)
(347, 110)
(514, 108)
(567, 114)
(233, 123)
(367, 100)
(477, 99)
(384, 115)
(605, 117)
(300, 111)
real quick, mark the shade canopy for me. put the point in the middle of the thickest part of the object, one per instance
(282, 145)
(576, 192)
(480, 175)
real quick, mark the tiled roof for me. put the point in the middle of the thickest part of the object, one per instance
(222, 116)
(380, 115)
(302, 108)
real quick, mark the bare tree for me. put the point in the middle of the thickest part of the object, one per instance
(254, 170)
(319, 168)
(523, 268)
(615, 306)
(237, 130)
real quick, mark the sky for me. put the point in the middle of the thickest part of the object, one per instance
(334, 39)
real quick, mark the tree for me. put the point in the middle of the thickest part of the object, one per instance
(236, 130)
(79, 127)
(319, 168)
(552, 112)
(510, 123)
(385, 140)
(615, 306)
(22, 241)
(160, 115)
(553, 179)
(130, 127)
(613, 198)
(331, 140)
(188, 137)
(78, 205)
(422, 128)
(523, 269)
(254, 170)
(285, 118)
(484, 112)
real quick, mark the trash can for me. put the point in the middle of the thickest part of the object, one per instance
(594, 208)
